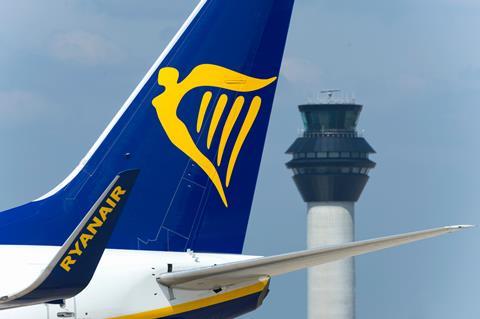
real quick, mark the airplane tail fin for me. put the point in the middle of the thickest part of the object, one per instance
(195, 126)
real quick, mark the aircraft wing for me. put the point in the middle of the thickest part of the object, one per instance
(72, 268)
(218, 276)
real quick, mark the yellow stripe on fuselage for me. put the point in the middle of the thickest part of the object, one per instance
(198, 304)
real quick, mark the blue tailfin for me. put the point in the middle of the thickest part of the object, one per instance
(195, 128)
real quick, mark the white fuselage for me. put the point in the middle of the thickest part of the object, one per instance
(124, 284)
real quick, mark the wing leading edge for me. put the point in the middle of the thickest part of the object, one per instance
(232, 273)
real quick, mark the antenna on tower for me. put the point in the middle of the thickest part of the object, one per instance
(329, 93)
(333, 97)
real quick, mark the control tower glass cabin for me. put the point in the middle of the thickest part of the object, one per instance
(330, 161)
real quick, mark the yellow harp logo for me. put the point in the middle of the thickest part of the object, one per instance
(208, 75)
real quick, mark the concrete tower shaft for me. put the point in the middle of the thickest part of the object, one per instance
(331, 165)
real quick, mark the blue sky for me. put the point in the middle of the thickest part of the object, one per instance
(67, 66)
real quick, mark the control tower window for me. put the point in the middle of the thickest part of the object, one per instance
(334, 154)
(345, 154)
(322, 154)
(355, 155)
(330, 118)
(331, 170)
(351, 118)
(310, 155)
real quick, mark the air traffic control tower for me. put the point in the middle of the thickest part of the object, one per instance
(331, 166)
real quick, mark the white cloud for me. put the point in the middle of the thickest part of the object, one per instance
(21, 106)
(18, 103)
(84, 48)
(468, 3)
(301, 72)
(412, 82)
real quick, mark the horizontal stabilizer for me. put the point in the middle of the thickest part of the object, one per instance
(232, 273)
(73, 266)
